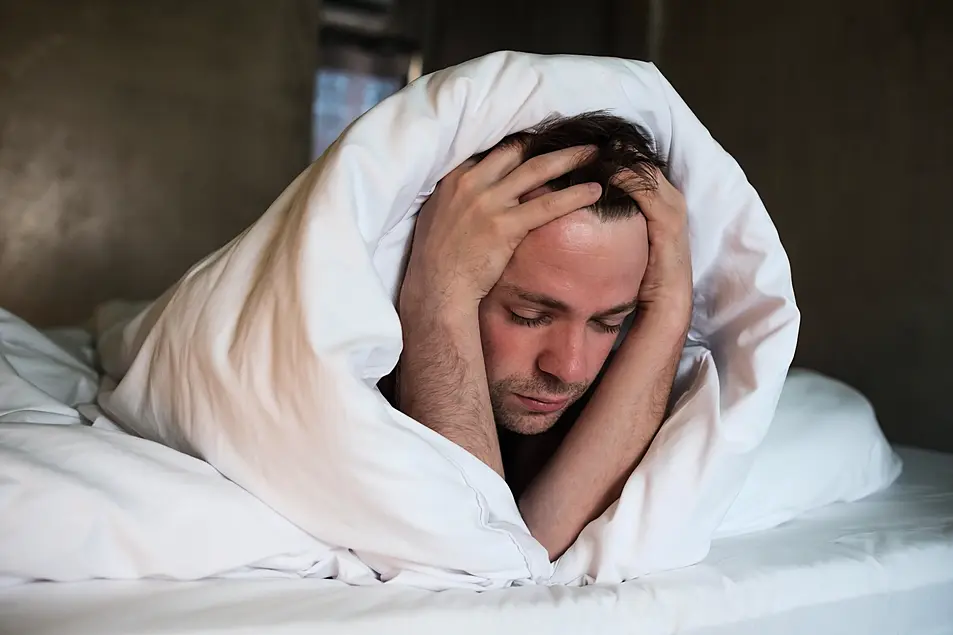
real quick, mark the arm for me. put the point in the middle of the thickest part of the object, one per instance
(442, 381)
(591, 465)
(607, 442)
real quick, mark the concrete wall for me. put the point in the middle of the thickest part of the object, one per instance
(841, 113)
(137, 137)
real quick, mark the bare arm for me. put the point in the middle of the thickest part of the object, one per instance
(612, 434)
(442, 381)
(608, 440)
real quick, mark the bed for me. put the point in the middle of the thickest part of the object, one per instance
(880, 565)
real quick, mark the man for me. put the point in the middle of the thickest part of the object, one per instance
(524, 264)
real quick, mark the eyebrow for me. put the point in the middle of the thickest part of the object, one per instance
(558, 305)
(619, 309)
(537, 298)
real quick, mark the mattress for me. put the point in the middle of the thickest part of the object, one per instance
(880, 565)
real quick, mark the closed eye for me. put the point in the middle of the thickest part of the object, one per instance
(607, 328)
(531, 322)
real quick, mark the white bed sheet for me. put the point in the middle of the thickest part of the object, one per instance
(880, 565)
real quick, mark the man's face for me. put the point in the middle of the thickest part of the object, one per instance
(551, 320)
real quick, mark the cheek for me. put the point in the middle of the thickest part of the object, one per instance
(508, 348)
(598, 351)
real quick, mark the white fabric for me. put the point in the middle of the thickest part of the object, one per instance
(264, 357)
(825, 446)
(41, 381)
(880, 566)
(80, 502)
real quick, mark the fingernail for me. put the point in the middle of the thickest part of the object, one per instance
(595, 188)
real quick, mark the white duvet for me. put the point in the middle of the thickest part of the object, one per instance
(81, 500)
(263, 361)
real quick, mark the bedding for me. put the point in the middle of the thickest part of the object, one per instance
(81, 499)
(880, 566)
(263, 359)
(824, 446)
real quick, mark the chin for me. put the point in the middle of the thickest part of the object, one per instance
(528, 424)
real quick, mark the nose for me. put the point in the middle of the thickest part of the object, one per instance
(563, 355)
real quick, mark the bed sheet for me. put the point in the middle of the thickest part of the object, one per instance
(880, 565)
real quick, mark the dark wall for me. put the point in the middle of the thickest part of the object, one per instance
(136, 137)
(841, 113)
(459, 31)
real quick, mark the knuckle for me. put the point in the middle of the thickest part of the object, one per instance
(554, 203)
(466, 183)
(482, 202)
(498, 227)
(536, 167)
(550, 202)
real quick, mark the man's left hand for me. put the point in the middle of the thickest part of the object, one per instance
(666, 290)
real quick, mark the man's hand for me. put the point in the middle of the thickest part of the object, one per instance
(467, 231)
(466, 234)
(667, 285)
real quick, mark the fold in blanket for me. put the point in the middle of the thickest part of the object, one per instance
(263, 358)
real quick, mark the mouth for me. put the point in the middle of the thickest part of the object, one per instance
(542, 404)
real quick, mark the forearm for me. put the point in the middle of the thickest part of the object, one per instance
(606, 443)
(442, 381)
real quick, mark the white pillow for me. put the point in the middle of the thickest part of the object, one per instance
(264, 358)
(824, 446)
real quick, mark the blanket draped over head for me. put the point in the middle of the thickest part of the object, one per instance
(263, 359)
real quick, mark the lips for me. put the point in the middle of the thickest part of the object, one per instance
(542, 404)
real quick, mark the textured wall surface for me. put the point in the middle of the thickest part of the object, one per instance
(841, 113)
(459, 31)
(137, 137)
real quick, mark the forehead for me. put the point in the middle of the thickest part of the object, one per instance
(582, 261)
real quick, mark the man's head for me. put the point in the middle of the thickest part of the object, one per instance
(550, 322)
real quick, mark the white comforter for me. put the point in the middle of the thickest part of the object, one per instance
(263, 359)
(81, 500)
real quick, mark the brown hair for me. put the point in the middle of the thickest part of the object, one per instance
(620, 145)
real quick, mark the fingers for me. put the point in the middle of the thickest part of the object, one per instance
(653, 195)
(644, 193)
(478, 175)
(459, 171)
(548, 207)
(498, 163)
(542, 169)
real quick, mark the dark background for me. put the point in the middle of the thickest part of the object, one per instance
(137, 137)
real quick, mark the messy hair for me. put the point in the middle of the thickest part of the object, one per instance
(620, 144)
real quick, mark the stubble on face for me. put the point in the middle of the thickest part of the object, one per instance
(515, 419)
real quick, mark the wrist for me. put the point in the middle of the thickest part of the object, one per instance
(423, 314)
(665, 321)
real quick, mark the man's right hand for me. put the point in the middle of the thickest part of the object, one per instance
(466, 234)
(467, 231)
